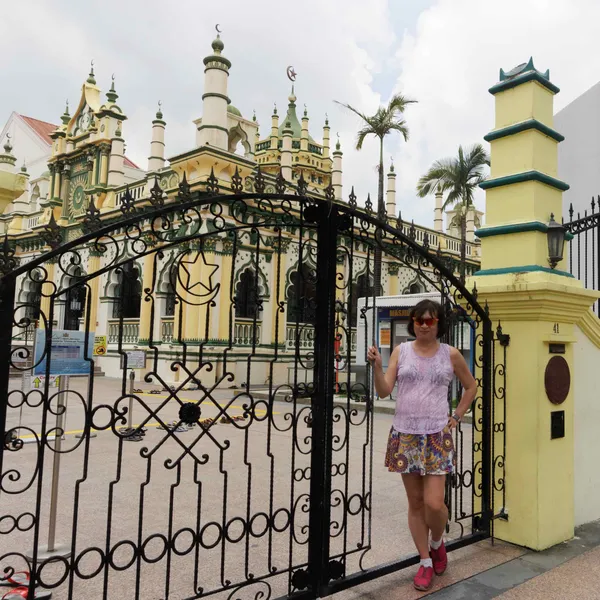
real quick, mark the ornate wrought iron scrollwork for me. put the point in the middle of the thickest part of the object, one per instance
(237, 186)
(91, 219)
(156, 195)
(212, 183)
(52, 233)
(8, 262)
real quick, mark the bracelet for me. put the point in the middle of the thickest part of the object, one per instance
(456, 417)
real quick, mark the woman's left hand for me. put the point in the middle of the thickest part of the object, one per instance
(452, 423)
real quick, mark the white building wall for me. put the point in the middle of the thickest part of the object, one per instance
(587, 428)
(579, 153)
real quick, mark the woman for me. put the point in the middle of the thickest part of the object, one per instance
(420, 445)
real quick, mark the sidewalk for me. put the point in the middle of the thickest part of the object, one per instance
(569, 570)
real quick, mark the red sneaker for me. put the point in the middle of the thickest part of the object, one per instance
(439, 558)
(423, 578)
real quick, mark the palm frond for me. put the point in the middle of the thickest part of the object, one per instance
(398, 103)
(400, 127)
(354, 110)
(362, 134)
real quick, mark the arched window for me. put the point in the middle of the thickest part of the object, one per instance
(361, 288)
(170, 296)
(74, 301)
(247, 295)
(128, 293)
(33, 300)
(301, 296)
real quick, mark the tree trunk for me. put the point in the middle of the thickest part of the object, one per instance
(381, 216)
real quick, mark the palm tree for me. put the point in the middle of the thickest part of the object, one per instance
(386, 120)
(459, 176)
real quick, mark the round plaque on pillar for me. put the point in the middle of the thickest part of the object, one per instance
(557, 379)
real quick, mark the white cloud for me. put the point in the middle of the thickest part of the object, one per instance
(342, 50)
(455, 56)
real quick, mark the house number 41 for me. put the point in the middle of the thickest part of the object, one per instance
(556, 328)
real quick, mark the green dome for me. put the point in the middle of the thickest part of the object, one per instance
(233, 110)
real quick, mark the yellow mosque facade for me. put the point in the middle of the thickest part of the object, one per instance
(84, 167)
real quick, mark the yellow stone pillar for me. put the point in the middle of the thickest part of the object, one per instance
(146, 321)
(224, 299)
(94, 283)
(47, 291)
(280, 267)
(537, 305)
(207, 278)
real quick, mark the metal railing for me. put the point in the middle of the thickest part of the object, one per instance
(131, 331)
(584, 247)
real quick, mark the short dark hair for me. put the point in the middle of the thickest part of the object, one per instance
(434, 309)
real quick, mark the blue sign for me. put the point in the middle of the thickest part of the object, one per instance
(66, 354)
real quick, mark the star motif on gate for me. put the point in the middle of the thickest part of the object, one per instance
(202, 292)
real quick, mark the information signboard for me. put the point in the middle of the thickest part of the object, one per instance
(100, 345)
(67, 353)
(136, 359)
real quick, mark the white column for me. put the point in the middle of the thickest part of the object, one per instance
(336, 172)
(471, 225)
(326, 139)
(304, 133)
(286, 153)
(274, 129)
(390, 203)
(116, 174)
(212, 131)
(438, 220)
(156, 160)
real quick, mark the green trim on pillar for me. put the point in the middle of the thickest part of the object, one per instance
(524, 126)
(522, 177)
(523, 78)
(216, 95)
(522, 269)
(516, 228)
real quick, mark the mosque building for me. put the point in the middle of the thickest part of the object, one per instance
(51, 174)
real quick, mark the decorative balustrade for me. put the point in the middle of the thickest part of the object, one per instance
(306, 336)
(167, 329)
(131, 331)
(33, 221)
(245, 333)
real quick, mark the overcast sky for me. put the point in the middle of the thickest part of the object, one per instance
(443, 53)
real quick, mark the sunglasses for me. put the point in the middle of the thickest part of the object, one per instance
(430, 322)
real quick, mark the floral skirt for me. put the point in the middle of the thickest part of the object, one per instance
(427, 454)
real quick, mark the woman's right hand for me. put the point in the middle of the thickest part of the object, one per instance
(374, 357)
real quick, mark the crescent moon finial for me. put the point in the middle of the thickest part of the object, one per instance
(217, 28)
(159, 104)
(113, 76)
(92, 63)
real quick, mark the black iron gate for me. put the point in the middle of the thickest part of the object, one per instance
(257, 471)
(584, 246)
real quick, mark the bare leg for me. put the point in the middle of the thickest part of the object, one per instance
(416, 513)
(436, 512)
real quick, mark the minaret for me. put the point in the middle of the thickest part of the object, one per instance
(326, 138)
(156, 160)
(304, 133)
(390, 204)
(274, 129)
(336, 172)
(438, 219)
(116, 174)
(286, 152)
(212, 131)
(7, 160)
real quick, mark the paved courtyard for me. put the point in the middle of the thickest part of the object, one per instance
(228, 482)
